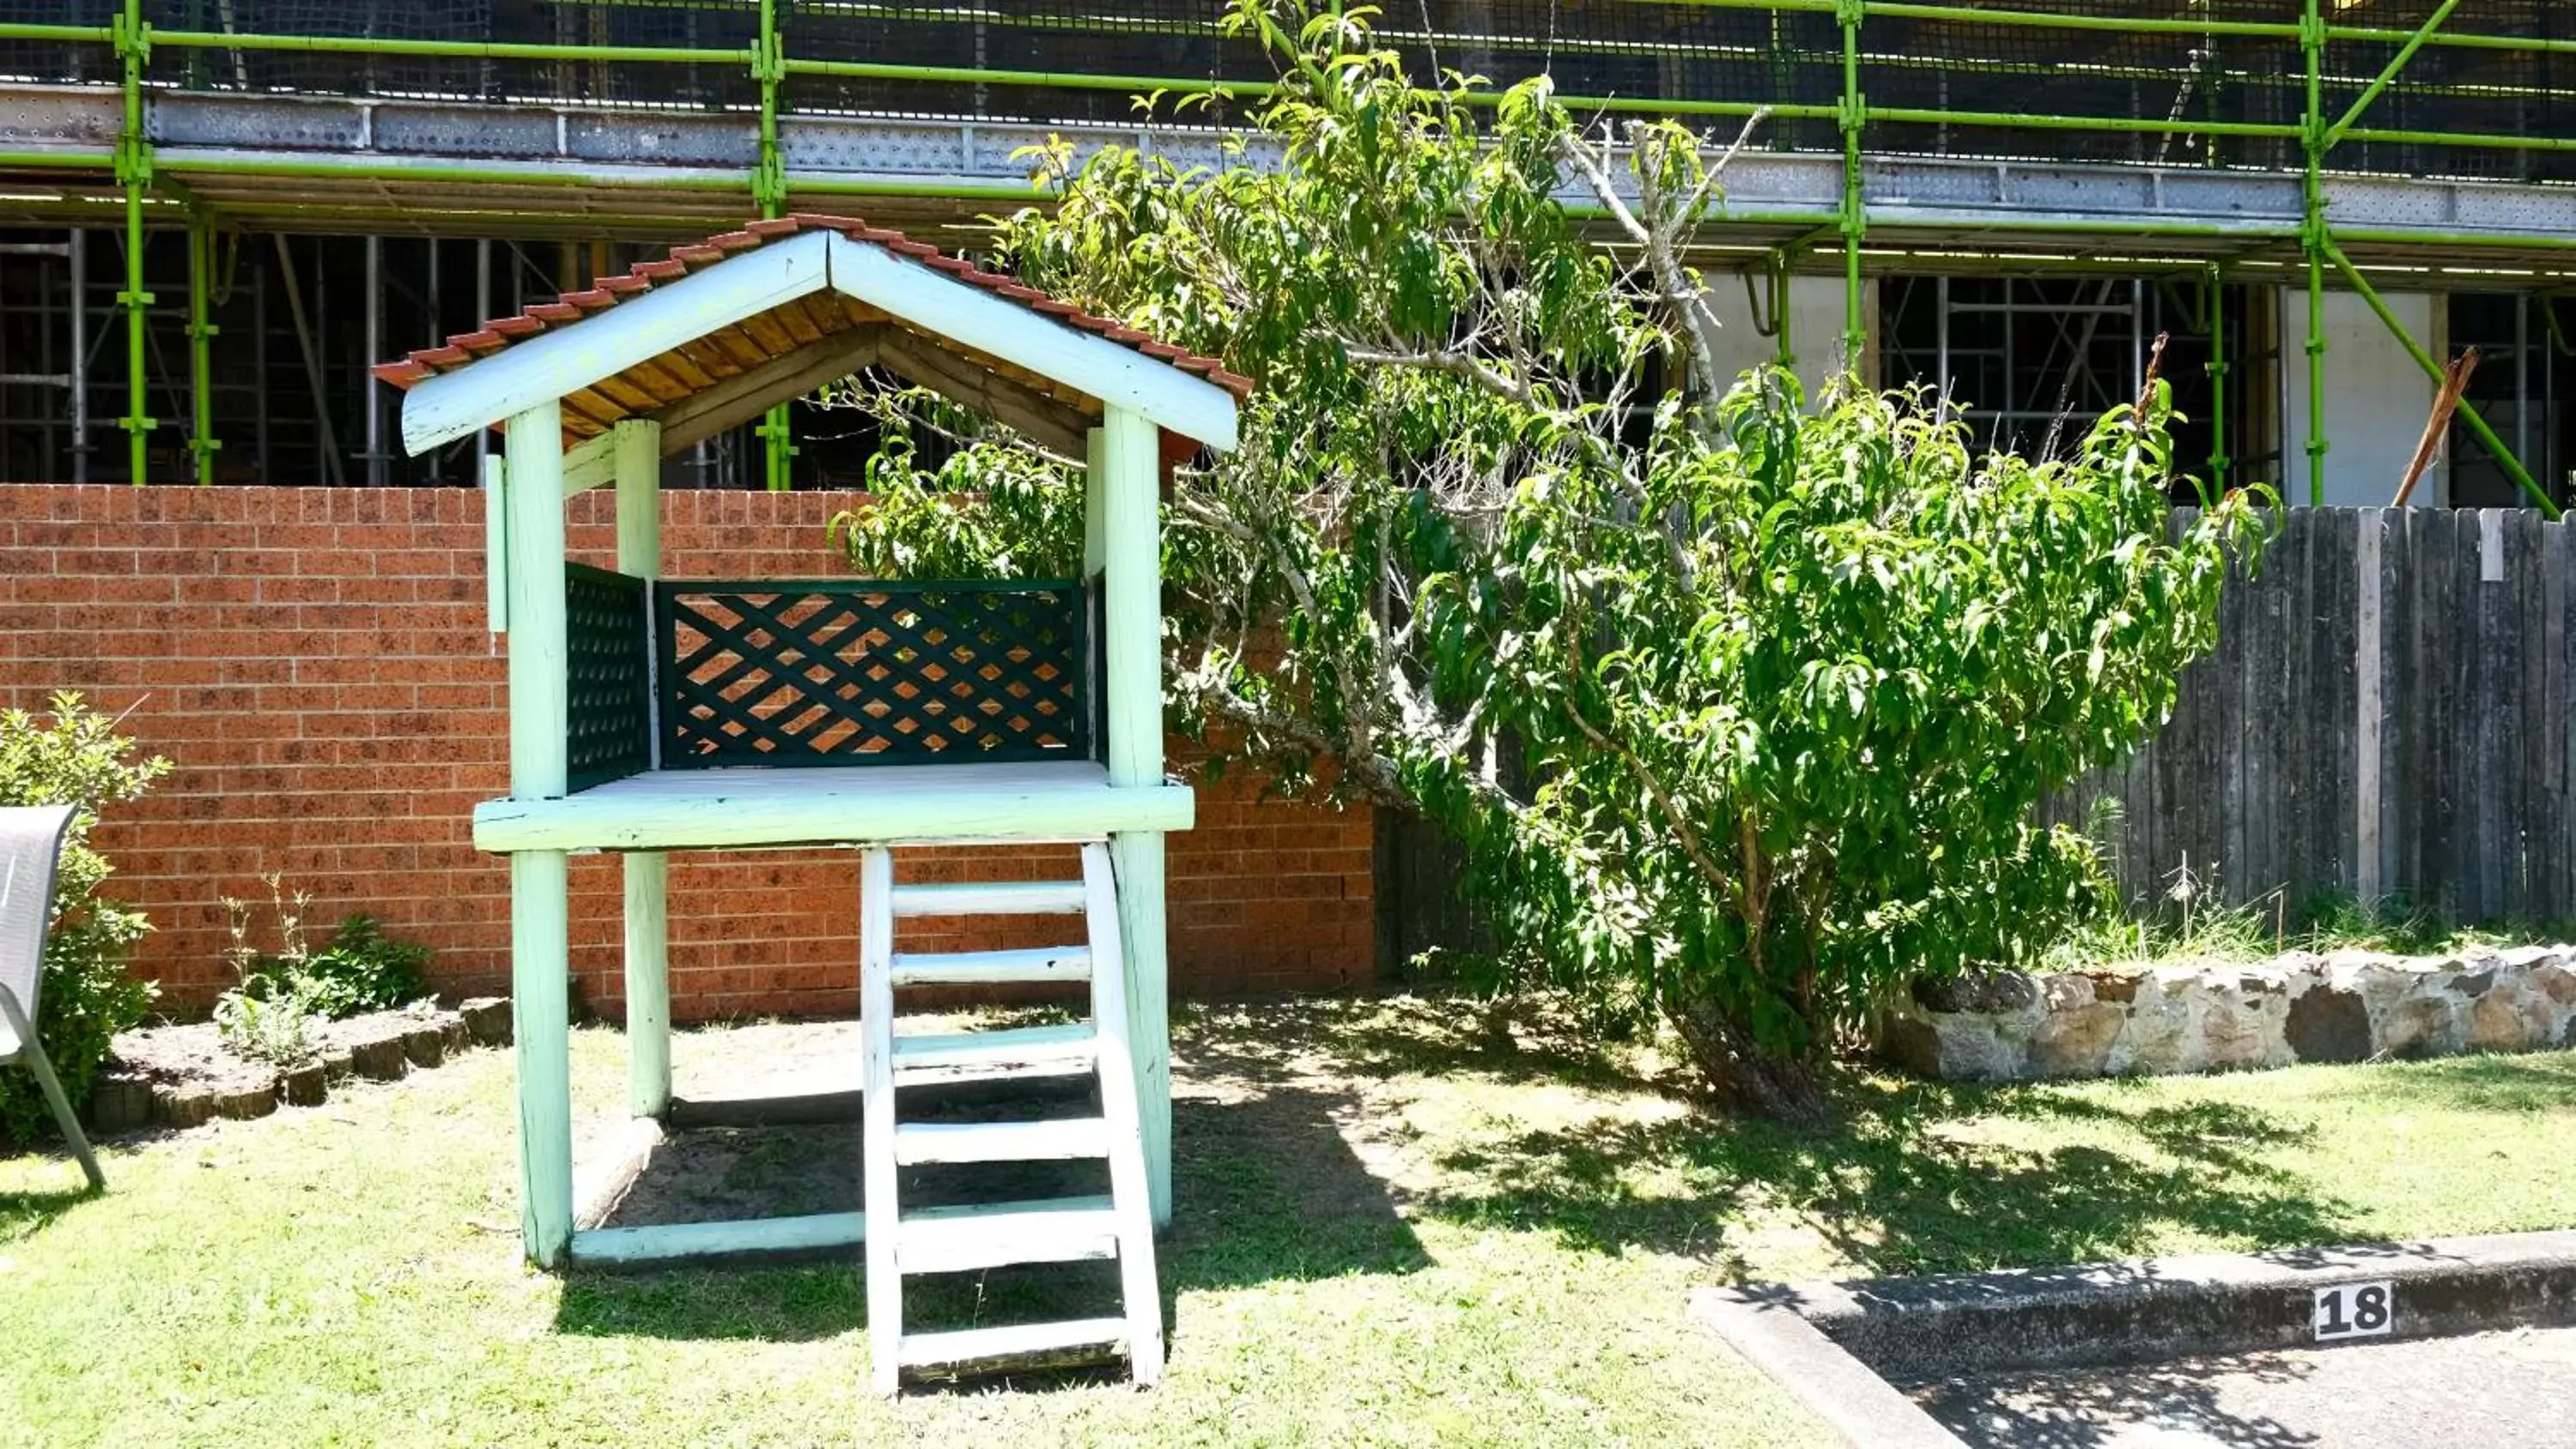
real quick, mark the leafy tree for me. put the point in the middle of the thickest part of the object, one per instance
(1741, 708)
(75, 757)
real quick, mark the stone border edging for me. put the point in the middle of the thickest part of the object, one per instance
(1771, 1334)
(1914, 1329)
(386, 1049)
(2344, 1006)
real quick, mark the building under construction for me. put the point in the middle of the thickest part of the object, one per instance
(214, 213)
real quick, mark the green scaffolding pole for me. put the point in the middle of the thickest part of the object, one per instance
(134, 174)
(2312, 242)
(1780, 283)
(2486, 436)
(201, 336)
(769, 190)
(2387, 74)
(2214, 295)
(1855, 217)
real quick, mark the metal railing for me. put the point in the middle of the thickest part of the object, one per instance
(2467, 88)
(2222, 82)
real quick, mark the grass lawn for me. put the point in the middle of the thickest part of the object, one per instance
(1398, 1224)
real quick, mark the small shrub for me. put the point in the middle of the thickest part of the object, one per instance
(75, 757)
(267, 1018)
(284, 995)
(276, 1029)
(363, 969)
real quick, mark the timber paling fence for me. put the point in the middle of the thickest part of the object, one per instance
(2386, 717)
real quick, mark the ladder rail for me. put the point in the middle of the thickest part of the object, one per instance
(876, 1009)
(972, 1237)
(1117, 1057)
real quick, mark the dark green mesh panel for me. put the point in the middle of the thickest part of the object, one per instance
(609, 700)
(863, 673)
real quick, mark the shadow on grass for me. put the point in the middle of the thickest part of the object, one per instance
(1892, 1190)
(1266, 1188)
(1512, 1040)
(25, 1214)
(1895, 1186)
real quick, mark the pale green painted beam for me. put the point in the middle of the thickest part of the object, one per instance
(540, 935)
(496, 542)
(636, 447)
(1128, 475)
(882, 805)
(669, 1242)
(590, 464)
(540, 1006)
(635, 451)
(1095, 540)
(1131, 623)
(539, 763)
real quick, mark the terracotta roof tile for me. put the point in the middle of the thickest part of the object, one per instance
(606, 292)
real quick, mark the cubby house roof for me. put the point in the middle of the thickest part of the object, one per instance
(718, 332)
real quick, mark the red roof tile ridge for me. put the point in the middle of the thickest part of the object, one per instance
(607, 291)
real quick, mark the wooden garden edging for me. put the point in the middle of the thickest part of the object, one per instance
(380, 1047)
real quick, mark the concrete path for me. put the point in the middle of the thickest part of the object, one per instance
(2513, 1388)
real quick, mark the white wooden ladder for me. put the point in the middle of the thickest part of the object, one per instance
(1060, 1230)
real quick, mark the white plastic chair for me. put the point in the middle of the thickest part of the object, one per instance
(31, 847)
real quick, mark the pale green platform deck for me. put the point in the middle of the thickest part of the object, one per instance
(751, 807)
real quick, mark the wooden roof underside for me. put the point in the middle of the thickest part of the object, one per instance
(733, 374)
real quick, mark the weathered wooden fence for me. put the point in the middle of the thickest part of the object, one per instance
(2386, 715)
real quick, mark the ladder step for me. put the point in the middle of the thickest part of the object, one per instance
(1020, 1051)
(990, 1235)
(920, 1142)
(990, 898)
(979, 968)
(1026, 1344)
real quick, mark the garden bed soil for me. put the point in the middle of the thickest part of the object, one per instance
(183, 1075)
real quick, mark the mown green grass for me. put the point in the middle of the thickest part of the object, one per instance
(1396, 1226)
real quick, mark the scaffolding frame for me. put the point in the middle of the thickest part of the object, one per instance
(149, 193)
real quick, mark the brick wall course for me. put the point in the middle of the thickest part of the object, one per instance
(316, 665)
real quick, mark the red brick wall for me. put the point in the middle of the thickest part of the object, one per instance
(315, 664)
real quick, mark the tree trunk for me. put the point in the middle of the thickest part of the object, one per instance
(1746, 1076)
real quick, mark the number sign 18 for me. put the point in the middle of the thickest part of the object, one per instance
(2355, 1310)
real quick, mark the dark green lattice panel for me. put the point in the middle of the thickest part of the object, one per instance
(608, 701)
(866, 673)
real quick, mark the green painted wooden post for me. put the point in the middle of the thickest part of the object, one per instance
(539, 763)
(1127, 453)
(541, 1015)
(636, 447)
(540, 940)
(1095, 498)
(496, 542)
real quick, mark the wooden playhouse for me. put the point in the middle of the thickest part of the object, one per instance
(649, 715)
